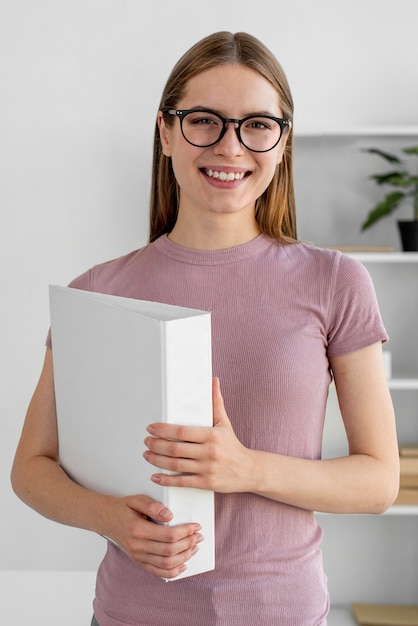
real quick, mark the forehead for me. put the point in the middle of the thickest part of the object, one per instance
(231, 89)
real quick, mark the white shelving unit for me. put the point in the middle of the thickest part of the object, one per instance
(370, 258)
(375, 558)
(361, 131)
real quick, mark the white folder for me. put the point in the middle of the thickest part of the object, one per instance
(119, 365)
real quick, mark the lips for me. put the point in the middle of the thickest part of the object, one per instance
(226, 176)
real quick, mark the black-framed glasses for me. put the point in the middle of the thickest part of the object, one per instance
(258, 133)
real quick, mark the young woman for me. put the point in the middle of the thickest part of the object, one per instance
(287, 318)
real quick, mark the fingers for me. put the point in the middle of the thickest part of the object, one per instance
(148, 507)
(160, 549)
(169, 568)
(174, 432)
(167, 559)
(173, 456)
(177, 456)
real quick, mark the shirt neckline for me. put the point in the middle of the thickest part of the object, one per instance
(213, 257)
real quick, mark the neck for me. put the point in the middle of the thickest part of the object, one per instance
(217, 233)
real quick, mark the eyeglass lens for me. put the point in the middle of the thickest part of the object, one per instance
(258, 133)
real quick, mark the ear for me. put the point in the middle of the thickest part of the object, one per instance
(165, 134)
(282, 144)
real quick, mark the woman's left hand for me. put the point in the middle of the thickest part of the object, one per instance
(204, 458)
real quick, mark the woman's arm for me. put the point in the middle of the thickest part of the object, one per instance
(365, 481)
(40, 482)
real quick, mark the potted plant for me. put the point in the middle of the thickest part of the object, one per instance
(404, 189)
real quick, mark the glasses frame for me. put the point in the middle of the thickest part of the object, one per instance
(182, 113)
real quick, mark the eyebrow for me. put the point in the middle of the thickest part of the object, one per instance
(249, 114)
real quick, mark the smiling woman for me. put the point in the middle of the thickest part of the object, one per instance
(287, 318)
(275, 210)
(205, 142)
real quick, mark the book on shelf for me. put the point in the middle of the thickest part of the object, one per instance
(385, 614)
(408, 451)
(409, 471)
(408, 492)
(119, 365)
(407, 496)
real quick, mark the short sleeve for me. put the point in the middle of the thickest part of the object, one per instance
(354, 320)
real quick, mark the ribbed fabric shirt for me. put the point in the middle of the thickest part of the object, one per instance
(278, 313)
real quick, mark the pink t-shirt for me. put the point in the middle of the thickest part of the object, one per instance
(278, 312)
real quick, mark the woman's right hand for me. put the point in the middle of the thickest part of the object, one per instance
(136, 524)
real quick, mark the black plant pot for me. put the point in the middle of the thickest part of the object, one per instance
(409, 235)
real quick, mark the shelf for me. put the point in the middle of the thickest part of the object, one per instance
(403, 384)
(343, 616)
(396, 384)
(395, 510)
(359, 131)
(402, 509)
(385, 257)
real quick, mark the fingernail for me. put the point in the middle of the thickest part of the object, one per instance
(165, 514)
(199, 538)
(151, 430)
(155, 479)
(195, 549)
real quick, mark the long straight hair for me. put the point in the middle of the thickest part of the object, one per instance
(275, 208)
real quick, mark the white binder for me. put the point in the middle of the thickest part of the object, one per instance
(119, 365)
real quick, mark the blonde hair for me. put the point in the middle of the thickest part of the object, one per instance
(275, 209)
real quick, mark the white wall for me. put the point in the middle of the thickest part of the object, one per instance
(80, 82)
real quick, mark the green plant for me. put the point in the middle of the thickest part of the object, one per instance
(401, 179)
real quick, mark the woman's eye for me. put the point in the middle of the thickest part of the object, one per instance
(203, 120)
(258, 125)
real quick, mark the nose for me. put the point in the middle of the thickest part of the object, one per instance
(230, 143)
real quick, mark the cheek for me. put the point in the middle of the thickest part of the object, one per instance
(181, 168)
(271, 166)
(184, 159)
(269, 172)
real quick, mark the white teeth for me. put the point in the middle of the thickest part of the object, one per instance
(225, 176)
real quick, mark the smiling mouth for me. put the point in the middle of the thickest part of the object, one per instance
(225, 176)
